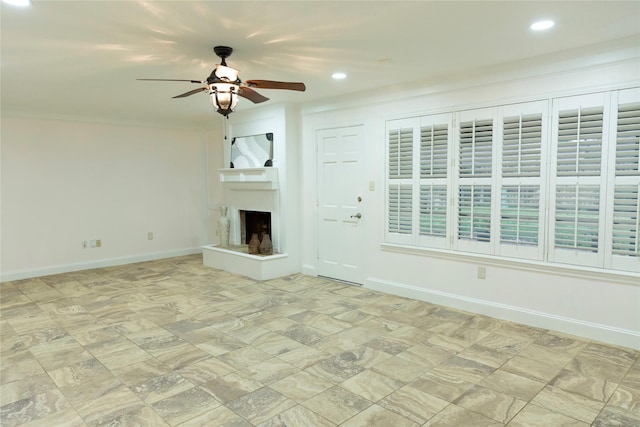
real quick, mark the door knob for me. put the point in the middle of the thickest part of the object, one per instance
(358, 215)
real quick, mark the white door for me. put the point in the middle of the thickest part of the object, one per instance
(340, 178)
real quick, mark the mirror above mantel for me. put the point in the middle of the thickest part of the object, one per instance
(253, 151)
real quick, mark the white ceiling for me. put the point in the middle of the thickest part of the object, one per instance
(83, 57)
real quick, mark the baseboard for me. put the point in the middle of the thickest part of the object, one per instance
(309, 270)
(594, 331)
(109, 262)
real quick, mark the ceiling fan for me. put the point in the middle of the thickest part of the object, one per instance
(224, 85)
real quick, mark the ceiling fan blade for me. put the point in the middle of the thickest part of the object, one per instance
(191, 92)
(172, 80)
(252, 95)
(270, 84)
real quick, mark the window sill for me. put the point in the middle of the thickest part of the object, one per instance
(623, 277)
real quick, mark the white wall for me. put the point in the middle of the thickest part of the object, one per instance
(69, 181)
(583, 302)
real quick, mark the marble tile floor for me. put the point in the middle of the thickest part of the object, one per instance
(175, 343)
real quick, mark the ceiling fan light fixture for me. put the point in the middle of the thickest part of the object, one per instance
(226, 73)
(224, 97)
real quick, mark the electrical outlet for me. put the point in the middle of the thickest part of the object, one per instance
(482, 272)
(150, 235)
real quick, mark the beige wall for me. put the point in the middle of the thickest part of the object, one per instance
(67, 181)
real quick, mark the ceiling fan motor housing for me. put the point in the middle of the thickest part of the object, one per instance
(223, 52)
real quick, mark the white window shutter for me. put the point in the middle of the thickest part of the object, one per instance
(474, 213)
(628, 140)
(474, 217)
(476, 148)
(577, 217)
(433, 210)
(521, 184)
(400, 180)
(623, 205)
(522, 145)
(434, 141)
(580, 142)
(626, 224)
(520, 215)
(578, 181)
(401, 153)
(400, 208)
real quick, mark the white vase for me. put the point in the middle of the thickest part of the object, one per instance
(223, 227)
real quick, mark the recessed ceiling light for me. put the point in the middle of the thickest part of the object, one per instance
(338, 76)
(542, 25)
(21, 3)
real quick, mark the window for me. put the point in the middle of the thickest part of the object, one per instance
(417, 186)
(554, 180)
(501, 181)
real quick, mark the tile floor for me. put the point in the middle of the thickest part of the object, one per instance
(172, 342)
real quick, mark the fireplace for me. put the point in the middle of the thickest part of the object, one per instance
(253, 197)
(254, 222)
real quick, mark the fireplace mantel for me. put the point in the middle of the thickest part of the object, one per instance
(251, 178)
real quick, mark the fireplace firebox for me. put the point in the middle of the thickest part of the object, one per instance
(254, 222)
